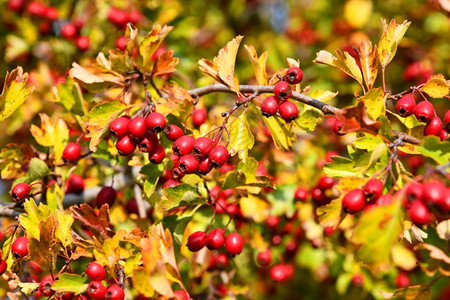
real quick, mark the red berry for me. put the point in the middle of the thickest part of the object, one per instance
(282, 91)
(220, 261)
(95, 271)
(173, 132)
(205, 166)
(188, 164)
(294, 75)
(202, 147)
(69, 31)
(419, 213)
(149, 143)
(337, 127)
(155, 122)
(215, 239)
(125, 145)
(134, 16)
(19, 247)
(46, 286)
(181, 295)
(115, 292)
(199, 116)
(196, 241)
(443, 135)
(264, 258)
(402, 280)
(170, 183)
(434, 193)
(424, 111)
(66, 296)
(118, 17)
(301, 194)
(121, 43)
(269, 107)
(82, 42)
(447, 119)
(325, 183)
(278, 273)
(3, 266)
(137, 128)
(52, 13)
(36, 9)
(119, 127)
(406, 105)
(72, 152)
(318, 196)
(74, 184)
(434, 127)
(272, 222)
(184, 145)
(234, 243)
(373, 189)
(96, 290)
(357, 280)
(16, 5)
(218, 156)
(107, 195)
(354, 201)
(414, 191)
(288, 111)
(157, 156)
(20, 191)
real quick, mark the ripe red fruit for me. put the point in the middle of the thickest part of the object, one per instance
(434, 192)
(301, 194)
(46, 286)
(158, 156)
(434, 127)
(215, 239)
(155, 122)
(354, 201)
(414, 191)
(69, 31)
(294, 75)
(278, 273)
(115, 292)
(19, 247)
(318, 196)
(188, 164)
(134, 16)
(52, 13)
(269, 107)
(447, 119)
(118, 17)
(373, 189)
(357, 280)
(443, 135)
(181, 295)
(3, 266)
(325, 183)
(72, 152)
(264, 258)
(82, 42)
(16, 5)
(68, 296)
(199, 116)
(173, 132)
(218, 156)
(288, 111)
(424, 111)
(20, 191)
(96, 290)
(121, 43)
(95, 271)
(402, 280)
(337, 127)
(170, 183)
(119, 127)
(36, 9)
(196, 241)
(219, 261)
(202, 147)
(125, 145)
(184, 145)
(282, 91)
(234, 243)
(74, 184)
(107, 195)
(149, 143)
(137, 127)
(406, 105)
(205, 166)
(419, 213)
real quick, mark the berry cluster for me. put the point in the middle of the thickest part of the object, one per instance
(214, 240)
(120, 17)
(282, 92)
(96, 289)
(319, 193)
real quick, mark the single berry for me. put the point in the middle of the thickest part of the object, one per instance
(202, 147)
(149, 143)
(282, 91)
(264, 258)
(52, 13)
(357, 280)
(434, 193)
(156, 122)
(115, 292)
(121, 43)
(19, 247)
(215, 239)
(337, 127)
(419, 213)
(173, 132)
(82, 42)
(196, 241)
(170, 183)
(67, 296)
(402, 280)
(218, 156)
(406, 105)
(184, 145)
(288, 111)
(181, 295)
(269, 107)
(318, 195)
(325, 183)
(354, 201)
(69, 31)
(74, 184)
(199, 116)
(157, 156)
(3, 266)
(107, 195)
(373, 189)
(125, 145)
(301, 194)
(234, 243)
(20, 191)
(447, 119)
(96, 290)
(36, 9)
(188, 164)
(134, 16)
(414, 191)
(16, 5)
(424, 111)
(205, 166)
(272, 222)
(443, 135)
(46, 286)
(95, 271)
(278, 273)
(72, 152)
(118, 17)
(119, 127)
(137, 127)
(294, 75)
(434, 127)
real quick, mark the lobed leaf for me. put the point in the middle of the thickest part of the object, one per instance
(150, 44)
(72, 283)
(374, 101)
(369, 63)
(241, 138)
(12, 158)
(165, 64)
(416, 292)
(183, 194)
(44, 250)
(95, 79)
(355, 119)
(33, 216)
(97, 224)
(433, 148)
(437, 86)
(259, 64)
(392, 35)
(281, 134)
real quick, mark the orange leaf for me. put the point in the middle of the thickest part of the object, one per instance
(165, 64)
(355, 119)
(98, 224)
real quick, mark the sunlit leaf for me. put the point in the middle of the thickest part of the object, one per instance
(12, 159)
(433, 148)
(95, 79)
(254, 208)
(245, 175)
(344, 62)
(259, 64)
(28, 288)
(416, 292)
(153, 172)
(392, 35)
(437, 86)
(165, 64)
(443, 230)
(97, 224)
(63, 228)
(403, 258)
(330, 214)
(70, 96)
(183, 194)
(73, 283)
(369, 62)
(355, 119)
(241, 138)
(374, 101)
(150, 44)
(282, 135)
(44, 250)
(34, 215)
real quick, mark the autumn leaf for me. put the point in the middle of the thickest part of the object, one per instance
(44, 250)
(97, 224)
(94, 78)
(392, 35)
(12, 158)
(259, 64)
(33, 216)
(415, 292)
(165, 64)
(222, 67)
(150, 44)
(369, 62)
(241, 138)
(437, 86)
(355, 119)
(374, 101)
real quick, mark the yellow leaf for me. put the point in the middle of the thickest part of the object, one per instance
(369, 63)
(141, 283)
(150, 44)
(259, 64)
(374, 101)
(443, 230)
(165, 64)
(357, 12)
(255, 208)
(403, 257)
(63, 228)
(344, 62)
(281, 134)
(437, 86)
(387, 46)
(222, 67)
(241, 138)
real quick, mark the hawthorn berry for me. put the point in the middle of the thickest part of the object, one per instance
(357, 280)
(36, 8)
(294, 75)
(173, 132)
(69, 31)
(402, 280)
(337, 127)
(354, 201)
(406, 105)
(199, 116)
(196, 241)
(434, 193)
(301, 194)
(373, 189)
(219, 261)
(52, 13)
(149, 143)
(82, 42)
(3, 266)
(95, 271)
(156, 122)
(272, 222)
(443, 135)
(278, 273)
(72, 152)
(188, 164)
(269, 107)
(119, 127)
(170, 183)
(96, 290)
(134, 16)
(202, 147)
(419, 213)
(215, 239)
(74, 184)
(288, 111)
(46, 286)
(20, 191)
(16, 5)
(205, 166)
(157, 156)
(67, 296)
(264, 258)
(218, 156)
(433, 127)
(107, 195)
(282, 91)
(118, 17)
(325, 182)
(424, 111)
(137, 127)
(183, 145)
(19, 247)
(125, 145)
(121, 43)
(115, 292)
(414, 191)
(234, 243)
(181, 295)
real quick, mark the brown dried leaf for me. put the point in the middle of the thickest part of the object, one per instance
(435, 252)
(369, 63)
(355, 119)
(416, 292)
(97, 224)
(165, 64)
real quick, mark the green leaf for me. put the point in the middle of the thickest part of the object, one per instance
(282, 135)
(392, 35)
(37, 170)
(72, 283)
(70, 96)
(180, 195)
(55, 197)
(368, 142)
(245, 175)
(16, 90)
(433, 148)
(374, 101)
(282, 199)
(386, 128)
(153, 172)
(341, 167)
(34, 215)
(410, 122)
(308, 120)
(416, 292)
(241, 138)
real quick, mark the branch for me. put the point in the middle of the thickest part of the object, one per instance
(6, 211)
